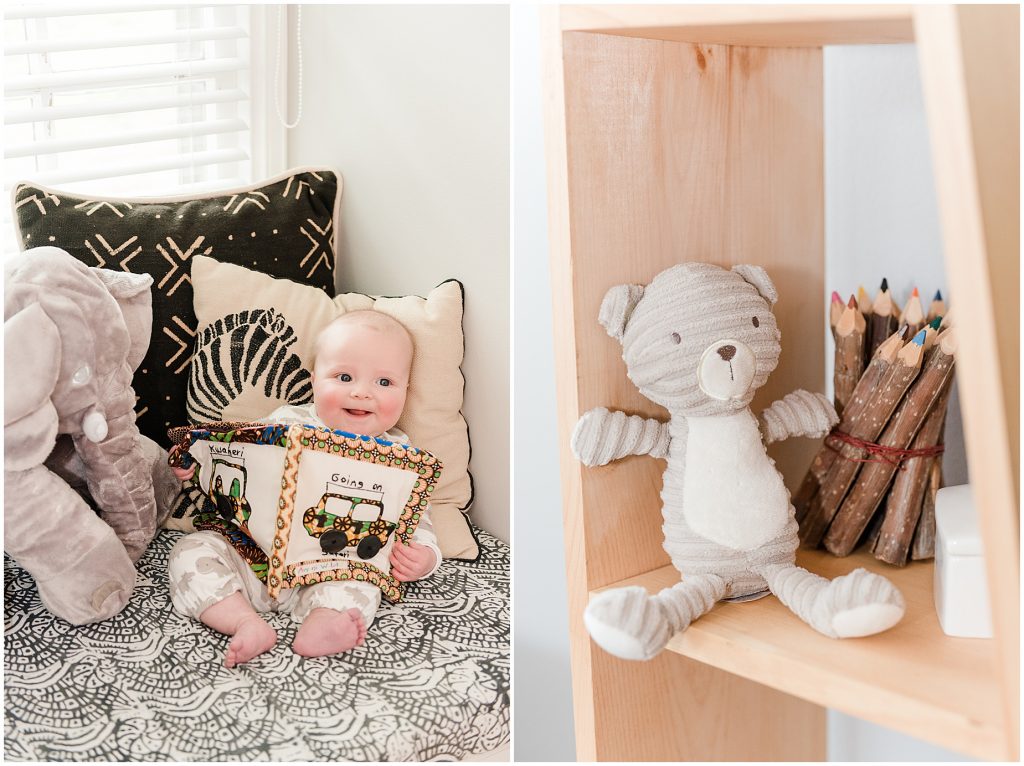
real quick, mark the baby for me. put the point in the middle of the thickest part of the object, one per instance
(360, 381)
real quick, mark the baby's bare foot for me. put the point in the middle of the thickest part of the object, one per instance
(328, 631)
(252, 637)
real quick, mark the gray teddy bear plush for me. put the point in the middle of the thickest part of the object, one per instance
(700, 340)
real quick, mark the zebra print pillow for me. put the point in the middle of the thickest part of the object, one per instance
(285, 227)
(244, 356)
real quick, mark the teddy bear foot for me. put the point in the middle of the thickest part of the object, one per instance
(860, 603)
(864, 604)
(627, 623)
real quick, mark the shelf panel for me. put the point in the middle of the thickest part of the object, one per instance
(762, 25)
(912, 678)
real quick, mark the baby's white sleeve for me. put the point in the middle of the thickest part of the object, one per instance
(289, 414)
(424, 535)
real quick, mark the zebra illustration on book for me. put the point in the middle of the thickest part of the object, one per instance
(246, 354)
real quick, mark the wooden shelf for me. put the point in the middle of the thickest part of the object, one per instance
(774, 25)
(913, 678)
(690, 132)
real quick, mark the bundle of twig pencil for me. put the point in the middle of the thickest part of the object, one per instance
(876, 475)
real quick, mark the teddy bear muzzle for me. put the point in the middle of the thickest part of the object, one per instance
(727, 369)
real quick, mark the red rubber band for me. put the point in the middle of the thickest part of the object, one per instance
(883, 454)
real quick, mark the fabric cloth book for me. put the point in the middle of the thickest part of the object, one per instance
(304, 504)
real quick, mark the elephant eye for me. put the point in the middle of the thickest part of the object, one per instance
(82, 375)
(676, 339)
(756, 323)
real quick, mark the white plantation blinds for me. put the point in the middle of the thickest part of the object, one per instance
(129, 100)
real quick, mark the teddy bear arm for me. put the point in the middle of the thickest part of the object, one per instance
(602, 436)
(800, 413)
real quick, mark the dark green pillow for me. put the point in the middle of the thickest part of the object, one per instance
(285, 227)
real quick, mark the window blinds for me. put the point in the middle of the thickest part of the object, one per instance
(130, 99)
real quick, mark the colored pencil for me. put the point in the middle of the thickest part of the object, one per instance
(835, 311)
(937, 307)
(913, 313)
(884, 318)
(849, 359)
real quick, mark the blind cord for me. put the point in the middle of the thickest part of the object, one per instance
(190, 84)
(282, 31)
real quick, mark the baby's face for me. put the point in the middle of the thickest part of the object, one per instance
(361, 377)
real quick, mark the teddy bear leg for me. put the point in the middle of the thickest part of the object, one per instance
(630, 624)
(860, 603)
(81, 569)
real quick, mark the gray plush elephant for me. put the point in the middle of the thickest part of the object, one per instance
(73, 335)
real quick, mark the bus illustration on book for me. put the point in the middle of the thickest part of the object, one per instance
(340, 520)
(227, 492)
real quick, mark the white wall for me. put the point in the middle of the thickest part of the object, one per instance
(880, 221)
(411, 105)
(542, 709)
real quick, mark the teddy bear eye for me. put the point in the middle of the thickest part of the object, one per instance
(754, 320)
(676, 339)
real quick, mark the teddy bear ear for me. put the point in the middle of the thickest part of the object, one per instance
(759, 278)
(617, 306)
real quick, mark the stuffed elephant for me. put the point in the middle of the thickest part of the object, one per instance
(73, 336)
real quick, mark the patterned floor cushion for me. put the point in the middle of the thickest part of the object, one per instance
(431, 681)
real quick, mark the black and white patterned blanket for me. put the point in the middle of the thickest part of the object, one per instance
(430, 683)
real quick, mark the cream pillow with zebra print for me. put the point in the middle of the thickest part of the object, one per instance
(254, 352)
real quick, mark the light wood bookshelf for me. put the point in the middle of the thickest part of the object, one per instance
(695, 133)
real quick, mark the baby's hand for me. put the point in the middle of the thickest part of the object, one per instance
(411, 562)
(182, 474)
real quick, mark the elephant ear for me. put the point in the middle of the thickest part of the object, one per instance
(617, 307)
(32, 357)
(131, 291)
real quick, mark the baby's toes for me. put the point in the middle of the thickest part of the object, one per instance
(360, 623)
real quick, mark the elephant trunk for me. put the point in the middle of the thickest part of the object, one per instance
(116, 471)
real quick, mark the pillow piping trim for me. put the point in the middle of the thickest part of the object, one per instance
(335, 214)
(469, 438)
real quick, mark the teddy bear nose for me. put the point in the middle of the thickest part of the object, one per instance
(727, 352)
